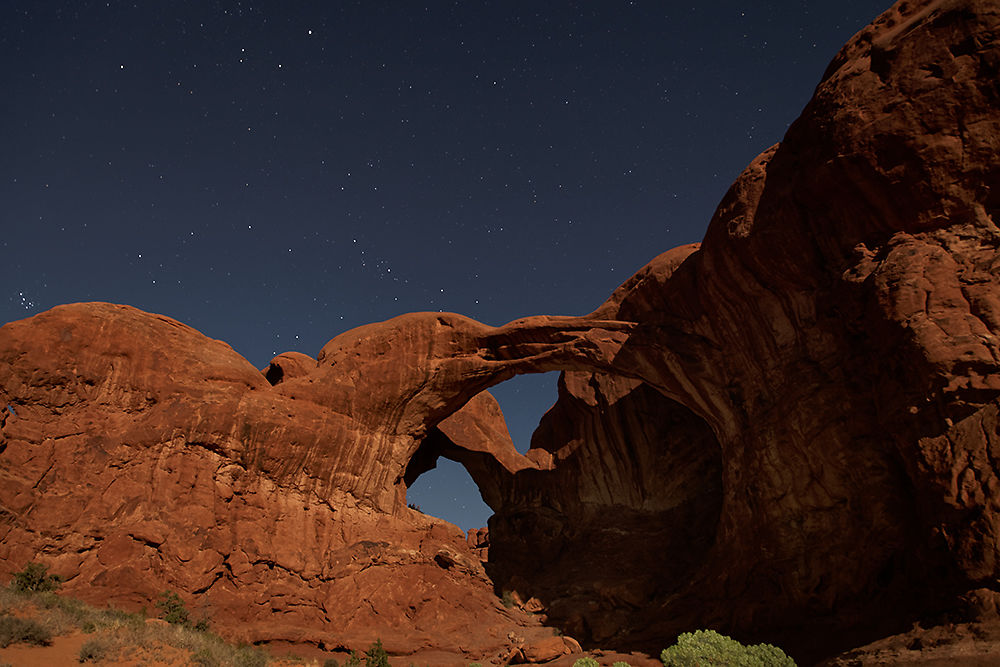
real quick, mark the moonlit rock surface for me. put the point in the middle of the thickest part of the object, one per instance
(144, 456)
(836, 335)
(788, 432)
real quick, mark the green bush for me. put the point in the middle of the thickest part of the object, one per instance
(708, 647)
(94, 650)
(15, 630)
(376, 656)
(172, 609)
(35, 578)
(586, 662)
(353, 660)
(620, 663)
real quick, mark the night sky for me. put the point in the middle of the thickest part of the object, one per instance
(276, 173)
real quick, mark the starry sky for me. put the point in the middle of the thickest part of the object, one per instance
(275, 173)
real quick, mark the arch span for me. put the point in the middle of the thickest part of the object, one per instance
(396, 381)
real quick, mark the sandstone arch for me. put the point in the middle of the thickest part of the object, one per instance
(397, 380)
(837, 333)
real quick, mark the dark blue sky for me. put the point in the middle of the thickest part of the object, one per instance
(276, 173)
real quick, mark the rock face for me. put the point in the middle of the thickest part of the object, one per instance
(836, 332)
(787, 432)
(137, 455)
(624, 515)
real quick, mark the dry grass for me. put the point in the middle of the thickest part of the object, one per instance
(116, 633)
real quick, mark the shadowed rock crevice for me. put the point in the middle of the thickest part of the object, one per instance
(274, 374)
(609, 513)
(626, 514)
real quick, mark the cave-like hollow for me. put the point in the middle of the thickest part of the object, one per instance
(610, 513)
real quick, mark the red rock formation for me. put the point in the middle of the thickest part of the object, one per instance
(837, 331)
(621, 518)
(288, 365)
(139, 455)
(787, 433)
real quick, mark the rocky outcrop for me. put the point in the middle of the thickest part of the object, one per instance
(787, 432)
(137, 455)
(623, 515)
(288, 365)
(837, 332)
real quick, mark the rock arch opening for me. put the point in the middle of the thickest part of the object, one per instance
(524, 400)
(441, 486)
(609, 513)
(448, 492)
(624, 518)
(617, 503)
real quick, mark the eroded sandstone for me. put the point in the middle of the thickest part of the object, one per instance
(837, 333)
(787, 432)
(139, 455)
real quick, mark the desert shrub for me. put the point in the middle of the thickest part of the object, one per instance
(35, 578)
(52, 600)
(117, 629)
(14, 630)
(201, 625)
(248, 656)
(64, 614)
(91, 620)
(586, 662)
(204, 658)
(353, 660)
(620, 663)
(172, 609)
(376, 656)
(474, 664)
(94, 650)
(708, 647)
(331, 662)
(507, 599)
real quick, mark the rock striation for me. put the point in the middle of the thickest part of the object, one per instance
(787, 432)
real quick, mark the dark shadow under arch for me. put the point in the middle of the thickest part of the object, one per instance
(621, 521)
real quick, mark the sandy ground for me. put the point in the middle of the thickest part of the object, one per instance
(65, 651)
